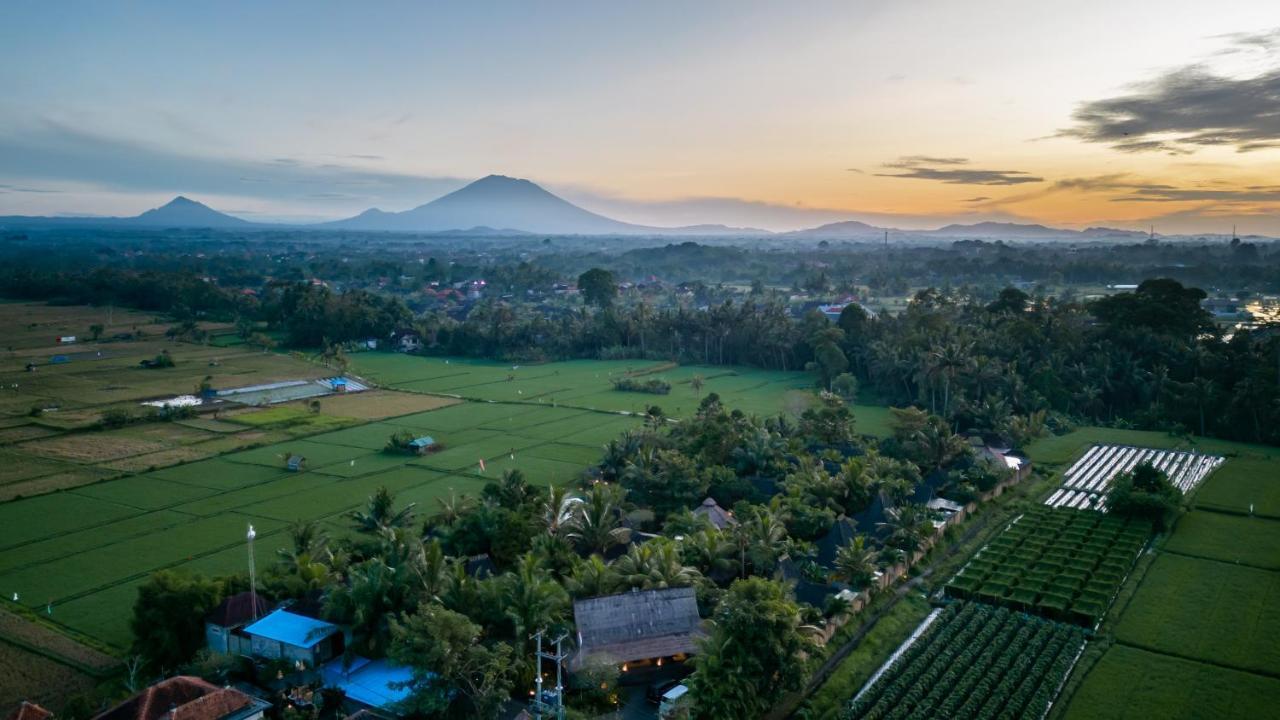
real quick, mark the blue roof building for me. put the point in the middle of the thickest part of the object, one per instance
(372, 684)
(289, 636)
(422, 443)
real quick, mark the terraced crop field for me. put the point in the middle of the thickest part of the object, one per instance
(1060, 563)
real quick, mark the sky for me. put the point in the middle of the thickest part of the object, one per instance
(909, 113)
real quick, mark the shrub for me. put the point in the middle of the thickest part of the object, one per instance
(1144, 492)
(653, 386)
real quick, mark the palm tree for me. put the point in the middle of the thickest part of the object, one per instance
(533, 600)
(596, 524)
(309, 558)
(763, 537)
(696, 384)
(432, 568)
(908, 526)
(654, 565)
(938, 445)
(513, 491)
(559, 510)
(373, 594)
(452, 509)
(592, 577)
(855, 563)
(380, 514)
(711, 552)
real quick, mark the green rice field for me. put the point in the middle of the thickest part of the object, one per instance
(83, 551)
(1195, 637)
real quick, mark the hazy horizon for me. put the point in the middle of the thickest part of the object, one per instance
(908, 115)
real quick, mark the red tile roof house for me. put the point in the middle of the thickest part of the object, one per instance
(29, 711)
(188, 698)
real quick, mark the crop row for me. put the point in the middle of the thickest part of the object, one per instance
(977, 662)
(1064, 564)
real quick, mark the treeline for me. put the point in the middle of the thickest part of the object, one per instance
(309, 315)
(1148, 359)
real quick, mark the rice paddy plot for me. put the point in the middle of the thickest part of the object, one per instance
(103, 615)
(1207, 610)
(42, 551)
(1247, 484)
(1060, 563)
(297, 486)
(144, 492)
(537, 470)
(336, 496)
(576, 454)
(424, 497)
(460, 456)
(1129, 683)
(465, 416)
(1230, 538)
(221, 474)
(317, 454)
(49, 515)
(101, 566)
(16, 466)
(364, 465)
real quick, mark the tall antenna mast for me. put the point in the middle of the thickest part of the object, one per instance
(253, 575)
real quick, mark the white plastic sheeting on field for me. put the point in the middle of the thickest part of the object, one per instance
(1085, 483)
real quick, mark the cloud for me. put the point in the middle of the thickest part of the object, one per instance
(954, 171)
(980, 198)
(1191, 107)
(20, 189)
(58, 154)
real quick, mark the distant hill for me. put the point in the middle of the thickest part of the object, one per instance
(495, 201)
(180, 212)
(1002, 229)
(184, 212)
(840, 230)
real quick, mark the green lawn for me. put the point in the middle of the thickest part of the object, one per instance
(1133, 684)
(1229, 538)
(1205, 609)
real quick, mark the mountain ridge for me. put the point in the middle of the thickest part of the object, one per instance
(498, 205)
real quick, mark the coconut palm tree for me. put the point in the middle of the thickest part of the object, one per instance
(596, 524)
(711, 551)
(855, 563)
(380, 513)
(654, 565)
(559, 510)
(452, 509)
(533, 600)
(592, 577)
(908, 526)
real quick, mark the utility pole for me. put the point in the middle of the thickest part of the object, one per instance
(556, 709)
